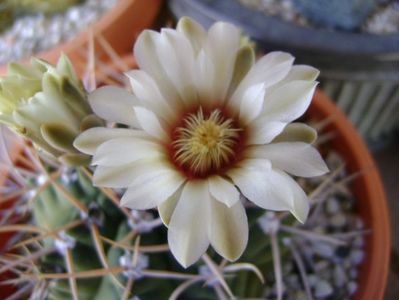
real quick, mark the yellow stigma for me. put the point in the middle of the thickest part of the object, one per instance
(205, 144)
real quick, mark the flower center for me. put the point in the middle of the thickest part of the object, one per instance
(205, 143)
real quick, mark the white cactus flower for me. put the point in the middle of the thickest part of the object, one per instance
(204, 125)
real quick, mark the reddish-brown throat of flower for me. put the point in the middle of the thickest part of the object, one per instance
(206, 143)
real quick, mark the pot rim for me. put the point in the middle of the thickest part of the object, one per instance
(272, 30)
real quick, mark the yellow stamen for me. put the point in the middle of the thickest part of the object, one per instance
(205, 144)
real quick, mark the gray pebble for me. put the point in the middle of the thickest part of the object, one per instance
(323, 249)
(352, 287)
(338, 220)
(358, 242)
(353, 274)
(332, 206)
(357, 257)
(321, 265)
(340, 278)
(322, 289)
(312, 280)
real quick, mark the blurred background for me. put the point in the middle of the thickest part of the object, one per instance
(355, 44)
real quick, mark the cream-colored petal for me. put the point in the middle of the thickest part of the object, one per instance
(114, 177)
(124, 150)
(265, 189)
(122, 176)
(89, 140)
(223, 190)
(254, 164)
(147, 91)
(188, 227)
(268, 70)
(243, 63)
(301, 207)
(193, 31)
(114, 104)
(264, 130)
(252, 103)
(297, 72)
(296, 158)
(302, 72)
(38, 110)
(205, 77)
(145, 51)
(297, 132)
(222, 45)
(177, 59)
(150, 123)
(289, 101)
(166, 208)
(150, 191)
(272, 190)
(228, 229)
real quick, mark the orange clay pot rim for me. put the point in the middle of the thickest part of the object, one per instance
(369, 188)
(105, 21)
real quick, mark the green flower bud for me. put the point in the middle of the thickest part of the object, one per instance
(48, 105)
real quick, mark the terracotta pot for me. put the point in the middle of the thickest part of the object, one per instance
(119, 27)
(369, 191)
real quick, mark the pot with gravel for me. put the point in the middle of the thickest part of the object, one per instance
(211, 168)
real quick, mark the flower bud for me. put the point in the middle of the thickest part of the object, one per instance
(48, 105)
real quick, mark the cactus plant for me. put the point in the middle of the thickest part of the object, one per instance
(75, 241)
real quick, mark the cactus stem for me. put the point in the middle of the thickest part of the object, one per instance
(77, 275)
(301, 267)
(245, 266)
(325, 183)
(115, 57)
(72, 199)
(103, 258)
(130, 236)
(127, 292)
(54, 233)
(313, 235)
(109, 193)
(142, 249)
(72, 281)
(170, 275)
(277, 264)
(22, 292)
(218, 274)
(220, 294)
(182, 287)
(13, 195)
(22, 227)
(28, 258)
